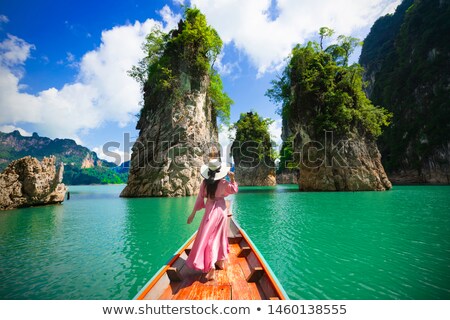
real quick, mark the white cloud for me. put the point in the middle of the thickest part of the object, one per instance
(390, 8)
(102, 91)
(228, 68)
(275, 132)
(169, 18)
(14, 51)
(9, 128)
(178, 2)
(225, 142)
(247, 24)
(3, 18)
(113, 154)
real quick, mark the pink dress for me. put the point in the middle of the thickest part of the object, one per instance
(211, 243)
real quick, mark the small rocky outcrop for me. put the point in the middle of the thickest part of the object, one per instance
(332, 125)
(252, 151)
(29, 182)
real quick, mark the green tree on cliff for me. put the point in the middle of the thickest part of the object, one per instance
(192, 49)
(252, 139)
(319, 86)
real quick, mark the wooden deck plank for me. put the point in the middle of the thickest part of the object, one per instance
(210, 292)
(185, 288)
(190, 277)
(242, 290)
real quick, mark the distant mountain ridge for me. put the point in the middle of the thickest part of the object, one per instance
(82, 166)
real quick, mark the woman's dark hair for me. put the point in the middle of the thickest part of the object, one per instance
(211, 188)
(211, 184)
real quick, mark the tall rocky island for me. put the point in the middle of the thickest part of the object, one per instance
(29, 182)
(183, 96)
(407, 62)
(252, 151)
(332, 125)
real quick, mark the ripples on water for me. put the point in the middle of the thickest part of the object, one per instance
(367, 245)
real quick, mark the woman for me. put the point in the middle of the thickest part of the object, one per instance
(211, 243)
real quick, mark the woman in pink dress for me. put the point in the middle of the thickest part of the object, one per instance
(211, 243)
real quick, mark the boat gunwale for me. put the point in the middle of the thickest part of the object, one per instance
(159, 274)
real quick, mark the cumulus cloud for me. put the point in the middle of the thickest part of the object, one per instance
(169, 17)
(228, 68)
(102, 91)
(267, 38)
(14, 51)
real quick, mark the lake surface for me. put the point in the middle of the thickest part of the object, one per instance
(354, 245)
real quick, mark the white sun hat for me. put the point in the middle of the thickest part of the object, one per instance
(216, 169)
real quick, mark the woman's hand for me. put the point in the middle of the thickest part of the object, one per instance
(231, 175)
(190, 218)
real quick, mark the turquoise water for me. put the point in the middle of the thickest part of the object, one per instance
(366, 245)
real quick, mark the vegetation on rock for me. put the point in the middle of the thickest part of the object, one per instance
(189, 51)
(252, 138)
(318, 85)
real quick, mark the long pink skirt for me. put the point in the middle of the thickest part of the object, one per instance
(211, 242)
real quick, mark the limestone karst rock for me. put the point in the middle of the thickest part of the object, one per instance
(29, 182)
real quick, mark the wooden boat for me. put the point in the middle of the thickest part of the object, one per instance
(246, 275)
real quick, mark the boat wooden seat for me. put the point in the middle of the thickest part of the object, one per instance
(174, 271)
(256, 274)
(234, 235)
(245, 251)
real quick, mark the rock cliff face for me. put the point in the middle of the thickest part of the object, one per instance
(173, 142)
(408, 69)
(332, 126)
(288, 176)
(27, 182)
(261, 175)
(352, 164)
(255, 173)
(183, 96)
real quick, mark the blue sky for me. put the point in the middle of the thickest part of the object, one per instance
(63, 63)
